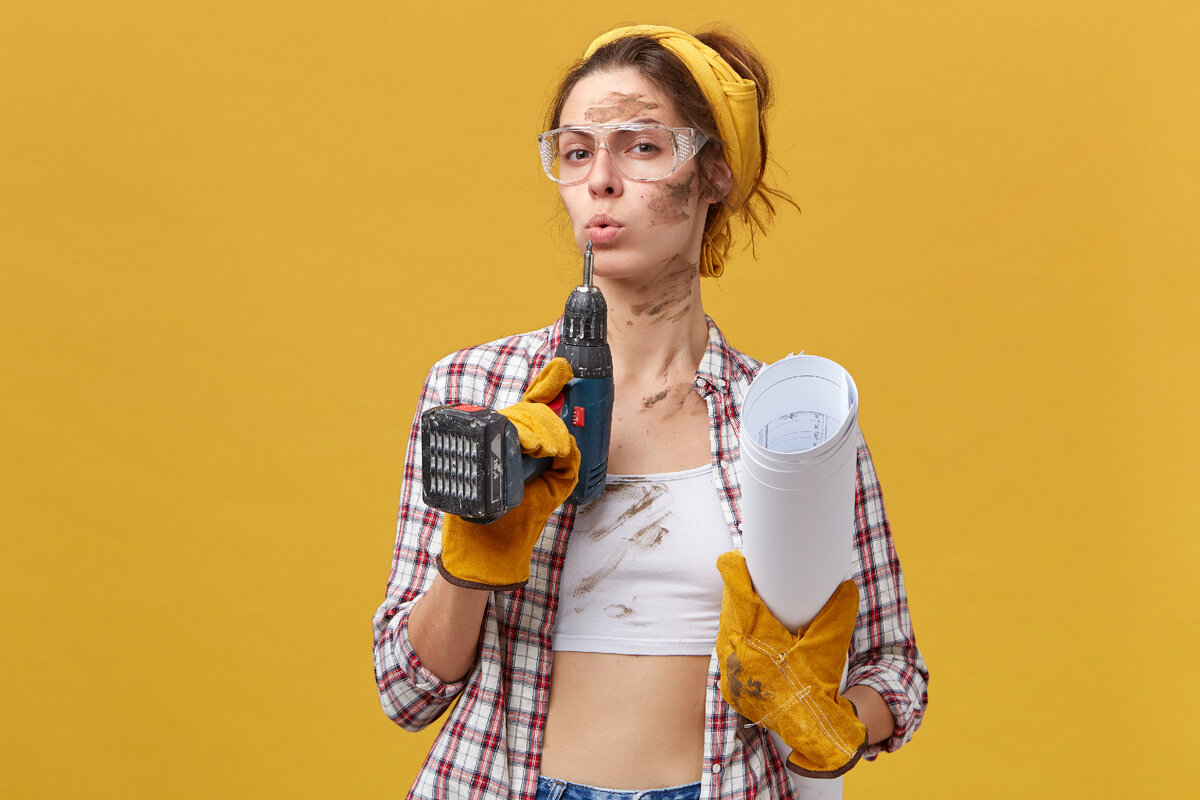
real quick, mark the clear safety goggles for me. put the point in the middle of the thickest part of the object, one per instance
(639, 151)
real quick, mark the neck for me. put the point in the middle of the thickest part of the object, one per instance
(656, 326)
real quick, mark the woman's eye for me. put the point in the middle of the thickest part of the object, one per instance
(575, 155)
(644, 147)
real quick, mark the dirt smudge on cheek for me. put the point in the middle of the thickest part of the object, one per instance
(617, 105)
(670, 207)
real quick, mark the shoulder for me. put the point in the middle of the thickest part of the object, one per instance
(494, 373)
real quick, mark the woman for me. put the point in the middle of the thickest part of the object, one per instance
(580, 640)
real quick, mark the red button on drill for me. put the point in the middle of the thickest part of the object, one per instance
(577, 416)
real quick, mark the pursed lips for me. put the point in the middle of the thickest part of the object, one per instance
(602, 221)
(602, 229)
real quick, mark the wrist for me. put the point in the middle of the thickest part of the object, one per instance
(873, 710)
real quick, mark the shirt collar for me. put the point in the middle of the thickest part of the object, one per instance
(713, 374)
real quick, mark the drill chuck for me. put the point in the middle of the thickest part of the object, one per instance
(585, 329)
(585, 334)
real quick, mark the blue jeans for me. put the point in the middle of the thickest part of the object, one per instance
(553, 789)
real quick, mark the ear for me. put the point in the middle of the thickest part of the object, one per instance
(718, 179)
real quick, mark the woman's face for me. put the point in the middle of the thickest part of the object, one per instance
(636, 228)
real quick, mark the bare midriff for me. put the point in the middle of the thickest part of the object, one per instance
(625, 721)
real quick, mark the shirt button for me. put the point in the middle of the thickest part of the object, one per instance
(716, 768)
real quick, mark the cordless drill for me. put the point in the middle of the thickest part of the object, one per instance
(472, 465)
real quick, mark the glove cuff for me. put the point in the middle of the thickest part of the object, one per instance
(469, 584)
(833, 773)
(492, 556)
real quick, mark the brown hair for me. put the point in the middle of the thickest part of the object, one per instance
(665, 70)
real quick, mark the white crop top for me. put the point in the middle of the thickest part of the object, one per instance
(641, 568)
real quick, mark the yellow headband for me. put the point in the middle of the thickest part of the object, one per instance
(734, 103)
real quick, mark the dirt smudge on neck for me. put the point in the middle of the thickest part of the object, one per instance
(672, 292)
(662, 375)
(650, 402)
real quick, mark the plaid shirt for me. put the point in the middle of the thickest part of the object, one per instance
(490, 747)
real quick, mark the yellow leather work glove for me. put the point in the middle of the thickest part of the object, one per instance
(789, 683)
(496, 555)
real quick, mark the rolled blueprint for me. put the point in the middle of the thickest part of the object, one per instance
(799, 466)
(798, 470)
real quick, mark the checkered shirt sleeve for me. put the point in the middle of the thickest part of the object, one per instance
(493, 375)
(411, 695)
(883, 653)
(489, 747)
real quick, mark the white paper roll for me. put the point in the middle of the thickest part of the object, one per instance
(798, 471)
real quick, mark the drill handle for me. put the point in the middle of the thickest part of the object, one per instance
(532, 467)
(585, 406)
(587, 413)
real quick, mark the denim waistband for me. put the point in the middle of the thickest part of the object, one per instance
(554, 789)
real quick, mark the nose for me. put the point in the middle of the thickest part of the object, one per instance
(604, 179)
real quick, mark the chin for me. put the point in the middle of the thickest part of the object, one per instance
(612, 265)
(628, 259)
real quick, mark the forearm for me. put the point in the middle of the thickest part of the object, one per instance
(873, 711)
(443, 628)
(884, 658)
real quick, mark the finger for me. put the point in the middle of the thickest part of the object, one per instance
(541, 431)
(732, 566)
(841, 609)
(555, 484)
(549, 382)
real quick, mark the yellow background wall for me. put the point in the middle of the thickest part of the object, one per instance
(234, 235)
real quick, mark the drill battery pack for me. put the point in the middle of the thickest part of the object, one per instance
(472, 462)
